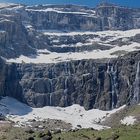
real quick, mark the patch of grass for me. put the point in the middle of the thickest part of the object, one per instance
(134, 110)
(114, 119)
(122, 133)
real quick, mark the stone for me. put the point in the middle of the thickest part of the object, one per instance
(47, 138)
(30, 138)
(57, 131)
(29, 130)
(98, 138)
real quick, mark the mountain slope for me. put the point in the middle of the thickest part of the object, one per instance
(84, 56)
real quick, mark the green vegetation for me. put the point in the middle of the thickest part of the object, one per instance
(114, 119)
(120, 133)
(134, 110)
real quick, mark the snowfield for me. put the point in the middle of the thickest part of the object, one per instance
(54, 57)
(45, 56)
(3, 5)
(75, 114)
(130, 120)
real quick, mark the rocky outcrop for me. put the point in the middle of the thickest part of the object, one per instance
(103, 84)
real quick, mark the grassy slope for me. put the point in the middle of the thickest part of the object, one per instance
(114, 119)
(124, 133)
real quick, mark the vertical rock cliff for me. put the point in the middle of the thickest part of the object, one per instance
(103, 84)
(66, 35)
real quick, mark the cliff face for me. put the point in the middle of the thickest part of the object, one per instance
(9, 81)
(67, 18)
(116, 18)
(103, 84)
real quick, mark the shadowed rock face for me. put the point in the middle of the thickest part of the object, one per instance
(9, 81)
(103, 84)
(116, 18)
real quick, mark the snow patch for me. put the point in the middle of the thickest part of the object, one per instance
(75, 114)
(129, 120)
(45, 56)
(59, 11)
(3, 5)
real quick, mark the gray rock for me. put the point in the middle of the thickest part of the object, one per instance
(103, 84)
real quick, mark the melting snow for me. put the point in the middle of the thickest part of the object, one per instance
(45, 56)
(3, 5)
(130, 120)
(75, 114)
